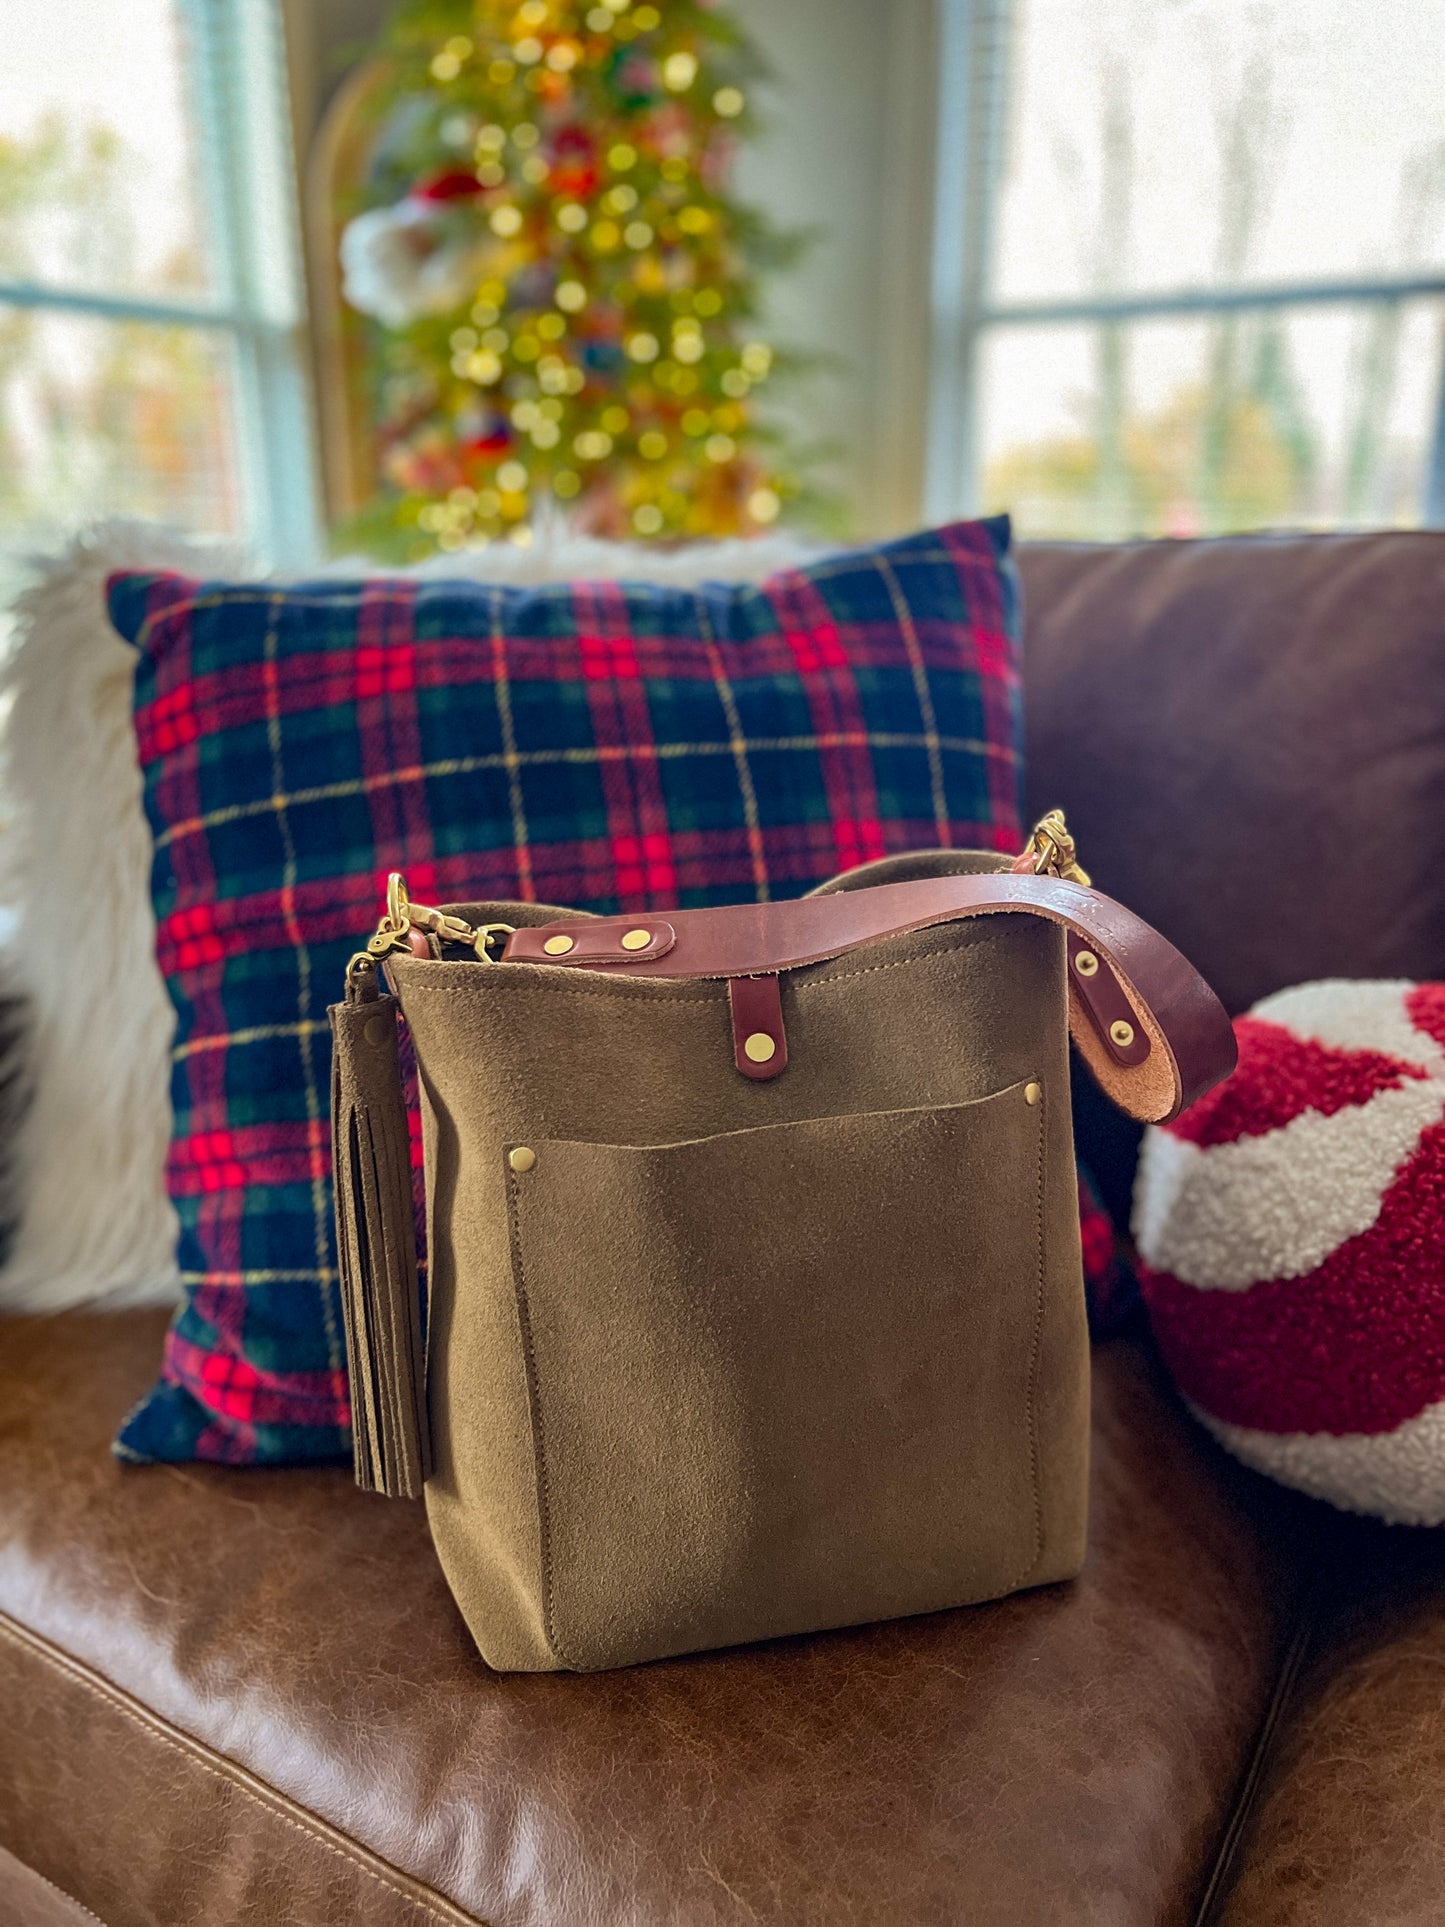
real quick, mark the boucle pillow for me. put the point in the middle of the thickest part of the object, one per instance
(608, 746)
(1291, 1227)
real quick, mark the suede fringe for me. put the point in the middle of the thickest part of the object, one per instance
(376, 1243)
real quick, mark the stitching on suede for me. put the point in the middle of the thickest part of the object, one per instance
(539, 1442)
(564, 990)
(1035, 1348)
(271, 1801)
(898, 963)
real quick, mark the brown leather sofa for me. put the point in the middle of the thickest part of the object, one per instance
(244, 1696)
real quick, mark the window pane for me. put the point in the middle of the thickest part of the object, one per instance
(1206, 141)
(1316, 417)
(112, 418)
(98, 181)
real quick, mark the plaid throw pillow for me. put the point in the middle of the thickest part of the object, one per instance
(605, 746)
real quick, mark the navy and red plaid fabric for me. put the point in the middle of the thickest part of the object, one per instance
(606, 746)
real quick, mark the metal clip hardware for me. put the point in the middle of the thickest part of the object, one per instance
(402, 916)
(1053, 851)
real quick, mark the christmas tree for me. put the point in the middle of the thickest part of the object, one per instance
(563, 294)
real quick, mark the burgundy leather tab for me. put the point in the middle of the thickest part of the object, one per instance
(760, 1044)
(592, 941)
(1110, 1011)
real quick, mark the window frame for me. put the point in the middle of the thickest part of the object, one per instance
(974, 46)
(239, 99)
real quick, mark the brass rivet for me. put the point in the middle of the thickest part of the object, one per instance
(558, 946)
(1122, 1033)
(1087, 964)
(759, 1047)
(523, 1158)
(636, 939)
(1032, 1093)
(376, 1031)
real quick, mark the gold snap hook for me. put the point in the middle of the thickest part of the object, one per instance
(1054, 852)
(489, 934)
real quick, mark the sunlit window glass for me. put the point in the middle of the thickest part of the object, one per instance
(1218, 256)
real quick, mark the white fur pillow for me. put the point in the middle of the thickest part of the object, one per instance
(95, 1224)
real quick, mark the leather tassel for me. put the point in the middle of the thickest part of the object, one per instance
(376, 1244)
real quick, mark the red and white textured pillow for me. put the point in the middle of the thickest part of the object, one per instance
(1291, 1227)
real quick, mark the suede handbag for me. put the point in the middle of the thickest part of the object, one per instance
(754, 1299)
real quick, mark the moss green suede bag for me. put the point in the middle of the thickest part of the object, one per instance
(754, 1302)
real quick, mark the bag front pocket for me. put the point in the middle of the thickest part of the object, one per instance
(782, 1378)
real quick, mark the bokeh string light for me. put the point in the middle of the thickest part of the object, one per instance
(564, 291)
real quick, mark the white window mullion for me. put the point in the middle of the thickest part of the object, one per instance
(1432, 512)
(971, 108)
(241, 116)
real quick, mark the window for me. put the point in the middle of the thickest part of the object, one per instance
(150, 349)
(1190, 270)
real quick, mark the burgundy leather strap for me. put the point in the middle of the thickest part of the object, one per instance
(605, 940)
(1183, 1042)
(1098, 990)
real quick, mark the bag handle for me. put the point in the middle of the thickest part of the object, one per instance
(1147, 1024)
(1150, 1029)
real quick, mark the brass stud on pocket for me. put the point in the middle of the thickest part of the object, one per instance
(759, 1048)
(636, 939)
(558, 946)
(1086, 964)
(522, 1159)
(1033, 1093)
(1122, 1033)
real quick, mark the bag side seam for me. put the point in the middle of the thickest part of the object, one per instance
(1035, 1351)
(539, 1439)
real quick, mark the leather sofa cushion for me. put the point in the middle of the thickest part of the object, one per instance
(27, 1900)
(1349, 1824)
(245, 1695)
(1246, 736)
